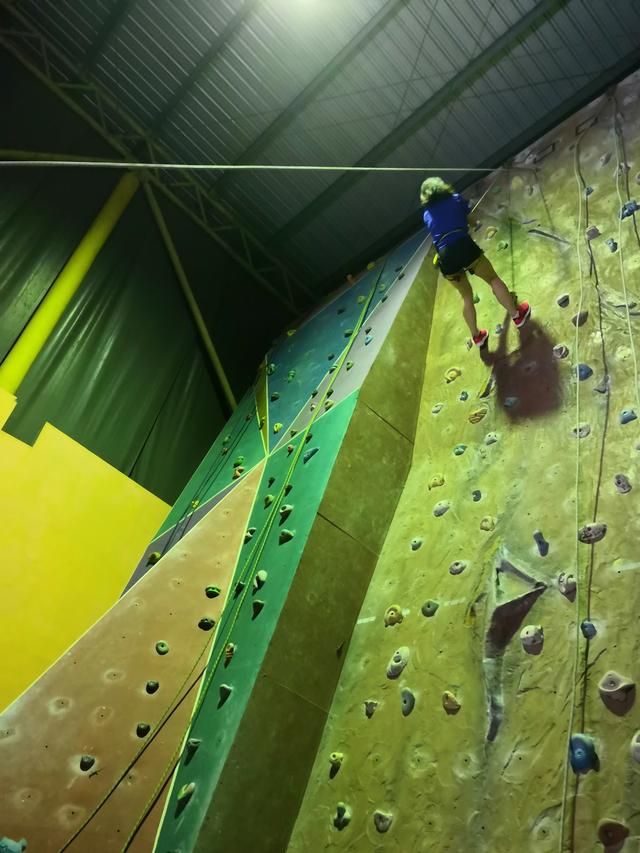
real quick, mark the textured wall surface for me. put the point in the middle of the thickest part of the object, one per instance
(72, 527)
(467, 748)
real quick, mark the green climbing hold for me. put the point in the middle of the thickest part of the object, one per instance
(192, 747)
(226, 439)
(212, 591)
(349, 365)
(285, 536)
(275, 396)
(185, 793)
(291, 375)
(206, 624)
(153, 558)
(476, 299)
(285, 511)
(271, 369)
(162, 648)
(429, 608)
(360, 299)
(268, 500)
(348, 333)
(143, 729)
(277, 427)
(239, 460)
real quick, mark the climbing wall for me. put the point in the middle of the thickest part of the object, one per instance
(167, 680)
(487, 701)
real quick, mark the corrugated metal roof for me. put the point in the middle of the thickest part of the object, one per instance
(336, 90)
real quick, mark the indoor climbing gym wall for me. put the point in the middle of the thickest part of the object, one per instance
(487, 701)
(220, 658)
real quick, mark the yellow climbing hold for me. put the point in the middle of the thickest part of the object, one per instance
(452, 374)
(393, 615)
(291, 332)
(478, 414)
(360, 299)
(490, 232)
(436, 258)
(517, 183)
(488, 523)
(277, 427)
(435, 481)
(370, 265)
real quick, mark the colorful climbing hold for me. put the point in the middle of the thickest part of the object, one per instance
(257, 606)
(382, 820)
(87, 762)
(436, 481)
(271, 369)
(238, 472)
(285, 536)
(437, 408)
(457, 567)
(584, 372)
(343, 816)
(229, 652)
(393, 615)
(459, 449)
(225, 690)
(398, 661)
(285, 511)
(441, 508)
(290, 448)
(491, 438)
(611, 243)
(450, 703)
(275, 396)
(248, 536)
(206, 624)
(268, 500)
(153, 558)
(212, 591)
(335, 760)
(634, 747)
(612, 834)
(291, 375)
(143, 729)
(567, 584)
(277, 427)
(591, 533)
(488, 523)
(561, 351)
(370, 706)
(627, 415)
(476, 495)
(582, 753)
(308, 454)
(490, 232)
(367, 340)
(511, 402)
(629, 208)
(580, 319)
(588, 191)
(588, 629)
(408, 701)
(541, 542)
(162, 648)
(464, 396)
(616, 691)
(328, 404)
(582, 430)
(349, 365)
(478, 414)
(592, 232)
(502, 245)
(260, 579)
(532, 639)
(152, 687)
(622, 483)
(452, 374)
(429, 608)
(415, 544)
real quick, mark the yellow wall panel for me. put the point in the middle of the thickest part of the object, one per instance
(72, 530)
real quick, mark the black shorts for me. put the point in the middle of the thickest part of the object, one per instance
(459, 256)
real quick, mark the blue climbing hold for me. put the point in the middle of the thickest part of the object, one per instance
(582, 753)
(8, 845)
(415, 544)
(464, 395)
(588, 190)
(476, 495)
(584, 371)
(629, 208)
(588, 629)
(511, 402)
(541, 542)
(627, 415)
(306, 456)
(611, 243)
(459, 449)
(367, 340)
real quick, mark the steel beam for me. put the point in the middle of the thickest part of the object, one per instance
(110, 26)
(315, 86)
(431, 107)
(203, 63)
(102, 112)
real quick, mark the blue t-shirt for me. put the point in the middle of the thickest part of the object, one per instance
(446, 216)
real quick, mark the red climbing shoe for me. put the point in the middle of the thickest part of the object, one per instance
(524, 312)
(481, 338)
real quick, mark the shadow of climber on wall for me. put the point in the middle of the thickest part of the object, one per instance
(526, 380)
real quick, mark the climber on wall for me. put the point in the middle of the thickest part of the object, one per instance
(446, 217)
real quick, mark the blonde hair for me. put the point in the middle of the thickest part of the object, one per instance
(433, 189)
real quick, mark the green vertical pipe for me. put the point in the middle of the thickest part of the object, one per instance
(35, 334)
(188, 294)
